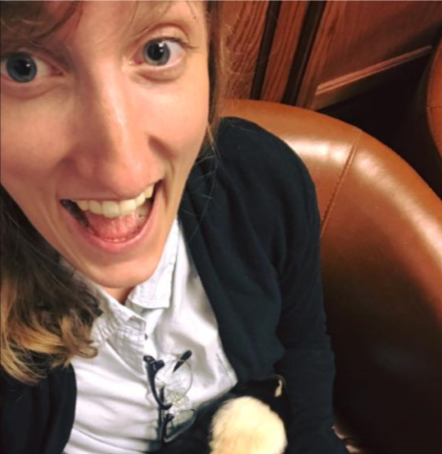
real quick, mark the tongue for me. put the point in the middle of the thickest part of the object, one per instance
(116, 228)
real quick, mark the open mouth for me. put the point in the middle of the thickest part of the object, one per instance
(113, 221)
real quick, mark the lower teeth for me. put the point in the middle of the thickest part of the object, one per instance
(141, 215)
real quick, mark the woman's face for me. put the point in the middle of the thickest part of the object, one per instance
(99, 131)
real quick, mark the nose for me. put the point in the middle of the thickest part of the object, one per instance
(113, 152)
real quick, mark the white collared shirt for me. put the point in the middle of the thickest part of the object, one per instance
(163, 317)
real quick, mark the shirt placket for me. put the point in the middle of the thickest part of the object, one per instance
(129, 343)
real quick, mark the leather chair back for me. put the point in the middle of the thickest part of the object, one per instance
(420, 138)
(382, 271)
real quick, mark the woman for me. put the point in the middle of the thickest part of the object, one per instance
(134, 241)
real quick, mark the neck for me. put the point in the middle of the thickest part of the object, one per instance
(120, 294)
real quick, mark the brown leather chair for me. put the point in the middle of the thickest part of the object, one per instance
(420, 138)
(382, 269)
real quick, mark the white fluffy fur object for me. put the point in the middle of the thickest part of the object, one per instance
(247, 426)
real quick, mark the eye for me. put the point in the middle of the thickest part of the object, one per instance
(162, 52)
(22, 68)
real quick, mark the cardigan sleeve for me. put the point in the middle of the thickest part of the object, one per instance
(263, 222)
(308, 363)
(38, 418)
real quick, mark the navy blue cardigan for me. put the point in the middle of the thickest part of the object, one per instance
(250, 218)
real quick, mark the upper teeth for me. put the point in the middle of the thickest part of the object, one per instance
(112, 208)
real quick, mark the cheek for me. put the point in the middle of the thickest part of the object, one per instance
(29, 138)
(176, 117)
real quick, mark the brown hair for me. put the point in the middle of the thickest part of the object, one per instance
(46, 313)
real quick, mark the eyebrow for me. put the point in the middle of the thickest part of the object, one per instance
(35, 28)
(143, 21)
(164, 15)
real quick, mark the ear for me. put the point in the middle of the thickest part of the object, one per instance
(247, 425)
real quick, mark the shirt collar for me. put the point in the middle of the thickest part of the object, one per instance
(155, 292)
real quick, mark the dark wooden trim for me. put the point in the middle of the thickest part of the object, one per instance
(284, 45)
(331, 20)
(245, 22)
(265, 48)
(366, 79)
(310, 27)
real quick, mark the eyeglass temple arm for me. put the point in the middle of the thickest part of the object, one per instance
(153, 366)
(183, 358)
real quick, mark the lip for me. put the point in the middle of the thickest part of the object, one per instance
(114, 248)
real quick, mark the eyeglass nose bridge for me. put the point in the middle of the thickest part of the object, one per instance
(153, 363)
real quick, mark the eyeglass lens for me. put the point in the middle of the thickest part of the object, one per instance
(173, 384)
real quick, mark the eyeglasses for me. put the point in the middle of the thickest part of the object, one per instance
(170, 382)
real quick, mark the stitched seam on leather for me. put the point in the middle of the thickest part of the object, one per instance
(433, 72)
(437, 139)
(341, 178)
